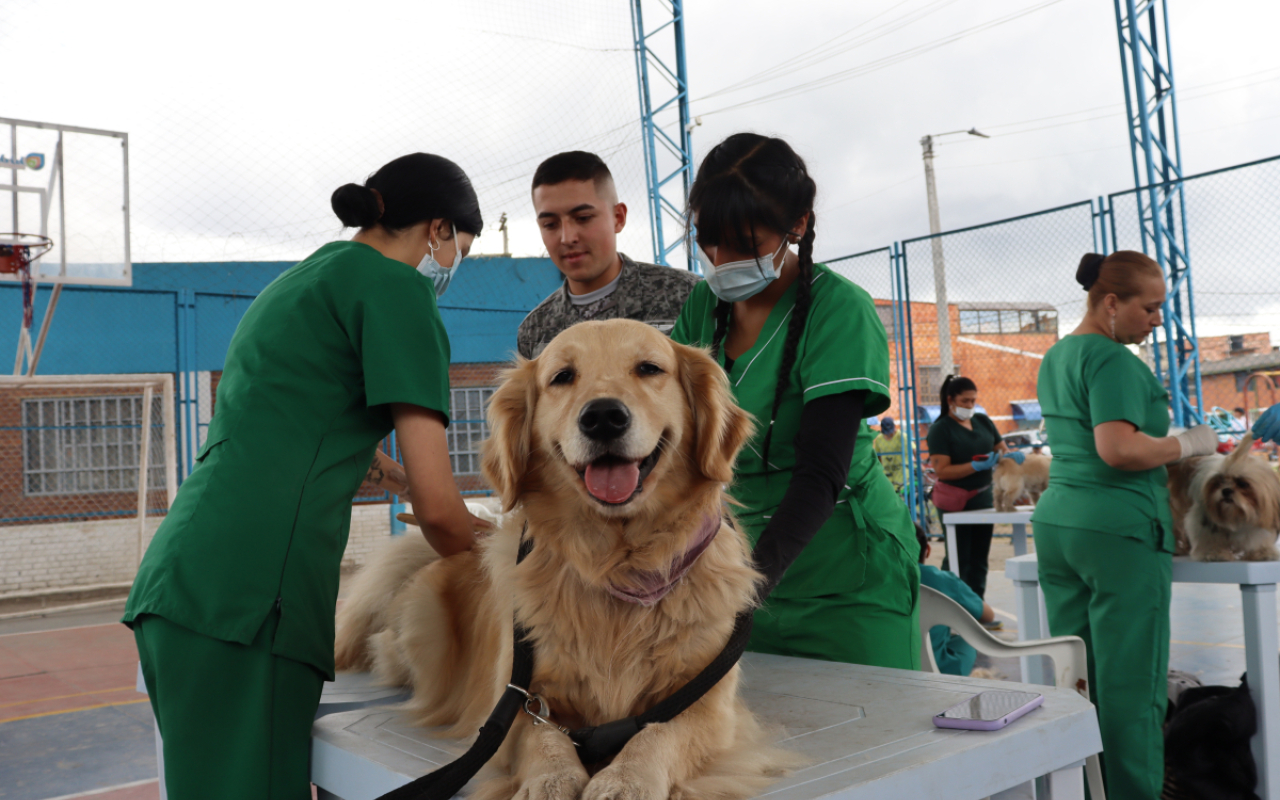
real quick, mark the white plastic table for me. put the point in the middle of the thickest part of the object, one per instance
(983, 516)
(867, 730)
(1257, 581)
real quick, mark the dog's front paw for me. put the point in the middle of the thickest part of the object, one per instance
(565, 785)
(1264, 553)
(625, 782)
(1212, 555)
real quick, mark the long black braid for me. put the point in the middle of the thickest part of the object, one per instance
(747, 183)
(795, 327)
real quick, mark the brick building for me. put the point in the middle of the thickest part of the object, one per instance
(998, 345)
(1228, 363)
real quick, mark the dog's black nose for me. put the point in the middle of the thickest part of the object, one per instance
(604, 420)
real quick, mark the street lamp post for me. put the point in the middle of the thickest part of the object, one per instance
(945, 363)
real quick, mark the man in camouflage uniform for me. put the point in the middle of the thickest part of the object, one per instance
(580, 218)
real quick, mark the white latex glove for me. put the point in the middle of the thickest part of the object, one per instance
(1200, 440)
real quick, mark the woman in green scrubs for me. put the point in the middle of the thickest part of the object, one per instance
(958, 435)
(1103, 532)
(807, 355)
(233, 606)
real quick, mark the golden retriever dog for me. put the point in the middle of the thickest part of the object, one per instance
(1013, 481)
(610, 452)
(1225, 507)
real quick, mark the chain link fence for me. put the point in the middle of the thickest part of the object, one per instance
(1007, 293)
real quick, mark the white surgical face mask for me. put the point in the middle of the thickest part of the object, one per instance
(962, 414)
(738, 280)
(441, 276)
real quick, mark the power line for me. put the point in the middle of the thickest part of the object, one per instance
(881, 63)
(824, 51)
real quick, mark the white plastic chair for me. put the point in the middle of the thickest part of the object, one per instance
(1070, 659)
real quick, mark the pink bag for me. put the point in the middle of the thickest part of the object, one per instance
(952, 498)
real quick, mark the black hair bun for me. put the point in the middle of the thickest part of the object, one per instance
(1087, 272)
(356, 205)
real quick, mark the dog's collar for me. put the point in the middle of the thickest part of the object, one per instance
(651, 586)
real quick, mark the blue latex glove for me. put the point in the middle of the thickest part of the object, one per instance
(1267, 426)
(986, 462)
(1017, 455)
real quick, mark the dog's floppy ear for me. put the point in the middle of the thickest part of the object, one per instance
(720, 427)
(510, 416)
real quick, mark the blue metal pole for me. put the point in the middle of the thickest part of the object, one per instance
(662, 180)
(1157, 156)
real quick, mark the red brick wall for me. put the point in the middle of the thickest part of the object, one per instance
(1002, 378)
(1216, 348)
(15, 505)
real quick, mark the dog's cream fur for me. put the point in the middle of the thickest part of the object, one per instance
(1013, 481)
(1226, 507)
(444, 626)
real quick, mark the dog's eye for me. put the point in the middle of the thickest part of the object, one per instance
(563, 378)
(649, 368)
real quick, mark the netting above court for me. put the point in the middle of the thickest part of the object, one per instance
(235, 150)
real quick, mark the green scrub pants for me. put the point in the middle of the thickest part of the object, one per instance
(878, 624)
(1113, 592)
(235, 719)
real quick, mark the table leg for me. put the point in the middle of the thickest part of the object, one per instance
(1019, 538)
(952, 561)
(1067, 784)
(1027, 598)
(162, 793)
(1261, 646)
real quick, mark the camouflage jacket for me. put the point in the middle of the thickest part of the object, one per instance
(645, 292)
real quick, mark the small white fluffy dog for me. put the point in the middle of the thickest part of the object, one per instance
(1229, 506)
(1012, 480)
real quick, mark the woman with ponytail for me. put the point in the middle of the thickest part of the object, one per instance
(1104, 534)
(807, 355)
(964, 447)
(233, 605)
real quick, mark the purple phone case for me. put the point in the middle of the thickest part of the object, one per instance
(985, 724)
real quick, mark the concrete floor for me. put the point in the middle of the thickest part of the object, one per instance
(72, 726)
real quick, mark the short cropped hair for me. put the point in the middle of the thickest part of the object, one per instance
(575, 165)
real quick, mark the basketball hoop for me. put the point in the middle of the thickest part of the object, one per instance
(16, 251)
(16, 255)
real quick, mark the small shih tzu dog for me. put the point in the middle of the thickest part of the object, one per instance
(1226, 507)
(1013, 481)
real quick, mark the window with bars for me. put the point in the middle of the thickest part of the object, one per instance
(886, 319)
(88, 445)
(467, 428)
(1006, 321)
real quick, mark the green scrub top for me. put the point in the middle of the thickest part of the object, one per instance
(1086, 380)
(947, 437)
(262, 520)
(843, 348)
(953, 654)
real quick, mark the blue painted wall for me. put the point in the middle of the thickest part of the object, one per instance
(112, 330)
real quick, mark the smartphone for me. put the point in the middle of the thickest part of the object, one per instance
(988, 711)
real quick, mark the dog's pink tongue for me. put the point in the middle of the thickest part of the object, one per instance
(612, 481)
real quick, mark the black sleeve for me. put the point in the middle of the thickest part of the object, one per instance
(824, 448)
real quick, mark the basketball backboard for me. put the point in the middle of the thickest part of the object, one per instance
(70, 184)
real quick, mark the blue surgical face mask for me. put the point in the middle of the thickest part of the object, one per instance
(739, 280)
(439, 275)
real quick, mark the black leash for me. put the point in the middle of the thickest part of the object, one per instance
(595, 743)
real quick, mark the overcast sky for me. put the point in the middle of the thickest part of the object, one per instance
(244, 116)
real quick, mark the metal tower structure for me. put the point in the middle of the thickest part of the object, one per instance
(1147, 64)
(668, 159)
